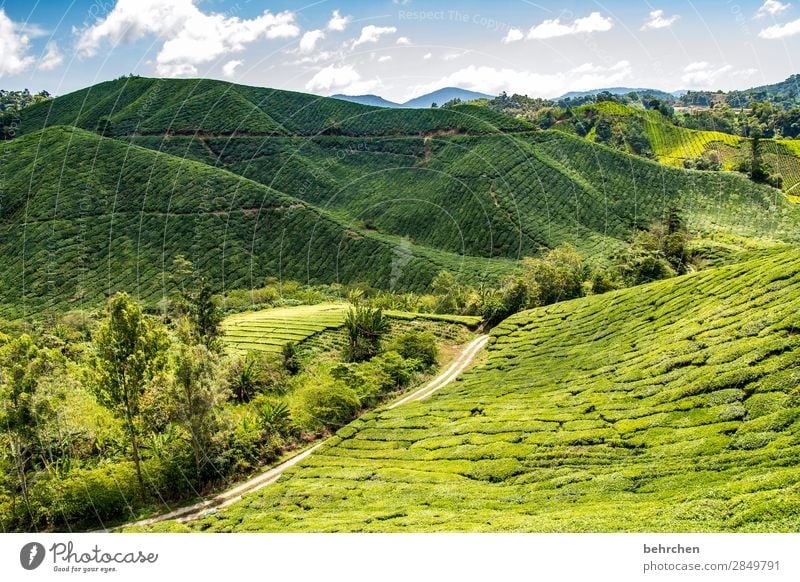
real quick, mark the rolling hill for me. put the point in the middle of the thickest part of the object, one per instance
(85, 216)
(144, 106)
(468, 189)
(668, 407)
(623, 91)
(496, 195)
(442, 96)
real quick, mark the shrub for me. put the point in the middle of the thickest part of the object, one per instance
(318, 406)
(417, 345)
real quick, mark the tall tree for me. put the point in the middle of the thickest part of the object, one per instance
(130, 350)
(197, 394)
(22, 364)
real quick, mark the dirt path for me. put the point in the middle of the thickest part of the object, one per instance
(463, 360)
(269, 476)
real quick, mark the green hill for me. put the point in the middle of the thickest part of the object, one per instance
(84, 216)
(188, 106)
(462, 185)
(669, 407)
(493, 195)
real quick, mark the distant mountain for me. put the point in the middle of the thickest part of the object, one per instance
(374, 100)
(439, 97)
(621, 91)
(442, 96)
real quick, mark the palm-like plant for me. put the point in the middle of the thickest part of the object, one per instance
(365, 328)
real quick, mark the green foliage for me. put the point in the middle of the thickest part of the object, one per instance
(365, 328)
(323, 404)
(416, 345)
(197, 396)
(642, 410)
(130, 350)
(291, 358)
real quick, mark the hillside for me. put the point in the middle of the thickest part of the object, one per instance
(668, 407)
(496, 195)
(200, 106)
(673, 145)
(785, 93)
(657, 93)
(85, 216)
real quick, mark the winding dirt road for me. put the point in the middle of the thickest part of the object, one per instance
(212, 504)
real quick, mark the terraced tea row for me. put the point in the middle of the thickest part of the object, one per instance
(271, 329)
(674, 406)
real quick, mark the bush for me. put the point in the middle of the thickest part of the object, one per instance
(417, 345)
(323, 405)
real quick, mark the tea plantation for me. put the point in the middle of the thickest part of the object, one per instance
(271, 329)
(674, 406)
(84, 216)
(203, 106)
(673, 145)
(466, 180)
(504, 195)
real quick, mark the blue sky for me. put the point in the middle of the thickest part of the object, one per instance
(402, 48)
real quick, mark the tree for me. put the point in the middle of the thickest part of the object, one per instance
(130, 350)
(197, 301)
(196, 394)
(559, 275)
(205, 313)
(22, 364)
(365, 328)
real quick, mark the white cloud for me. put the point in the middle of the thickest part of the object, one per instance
(52, 57)
(491, 80)
(453, 56)
(191, 37)
(309, 40)
(229, 68)
(341, 79)
(428, 56)
(179, 70)
(14, 45)
(404, 40)
(771, 7)
(553, 28)
(384, 59)
(338, 22)
(657, 20)
(703, 74)
(513, 35)
(372, 33)
(781, 30)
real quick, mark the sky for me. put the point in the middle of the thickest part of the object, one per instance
(400, 49)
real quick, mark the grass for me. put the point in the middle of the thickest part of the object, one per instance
(269, 330)
(669, 407)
